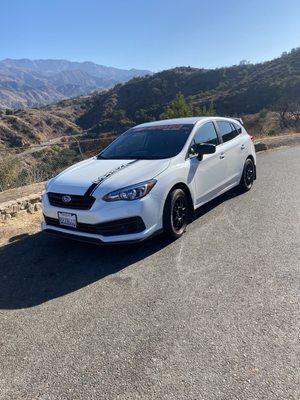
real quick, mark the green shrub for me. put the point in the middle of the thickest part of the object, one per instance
(177, 109)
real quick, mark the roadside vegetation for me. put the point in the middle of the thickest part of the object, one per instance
(19, 170)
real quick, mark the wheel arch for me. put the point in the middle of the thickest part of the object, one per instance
(183, 186)
(251, 158)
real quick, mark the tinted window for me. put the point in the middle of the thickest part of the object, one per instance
(149, 143)
(238, 128)
(206, 134)
(227, 130)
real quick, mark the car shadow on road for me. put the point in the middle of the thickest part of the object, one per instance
(39, 267)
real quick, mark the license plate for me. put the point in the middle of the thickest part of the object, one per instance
(67, 219)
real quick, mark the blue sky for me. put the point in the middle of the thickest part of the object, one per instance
(149, 34)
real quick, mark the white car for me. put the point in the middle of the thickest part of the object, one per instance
(150, 180)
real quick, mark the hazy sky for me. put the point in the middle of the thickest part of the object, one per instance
(151, 34)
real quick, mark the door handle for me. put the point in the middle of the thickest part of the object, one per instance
(242, 147)
(222, 155)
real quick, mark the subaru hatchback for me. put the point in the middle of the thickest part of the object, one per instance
(150, 180)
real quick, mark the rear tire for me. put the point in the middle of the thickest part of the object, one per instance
(176, 214)
(248, 175)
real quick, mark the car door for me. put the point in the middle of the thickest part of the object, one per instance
(232, 150)
(209, 174)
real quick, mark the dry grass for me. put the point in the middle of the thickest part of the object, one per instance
(33, 126)
(264, 124)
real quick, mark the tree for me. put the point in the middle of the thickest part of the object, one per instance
(205, 112)
(141, 116)
(244, 62)
(180, 108)
(177, 109)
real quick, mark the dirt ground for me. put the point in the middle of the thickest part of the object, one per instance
(19, 227)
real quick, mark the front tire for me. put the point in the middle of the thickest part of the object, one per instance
(175, 216)
(247, 178)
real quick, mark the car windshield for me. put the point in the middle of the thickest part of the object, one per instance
(148, 143)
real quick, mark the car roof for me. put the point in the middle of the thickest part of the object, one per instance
(187, 120)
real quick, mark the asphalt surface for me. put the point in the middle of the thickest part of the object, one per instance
(214, 315)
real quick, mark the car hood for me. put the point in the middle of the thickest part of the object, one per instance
(109, 174)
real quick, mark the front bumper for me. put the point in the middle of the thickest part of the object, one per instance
(108, 222)
(88, 239)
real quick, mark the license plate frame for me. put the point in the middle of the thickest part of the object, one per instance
(67, 219)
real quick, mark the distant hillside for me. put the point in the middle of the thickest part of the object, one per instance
(235, 91)
(31, 83)
(241, 89)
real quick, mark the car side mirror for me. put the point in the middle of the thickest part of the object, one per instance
(203, 148)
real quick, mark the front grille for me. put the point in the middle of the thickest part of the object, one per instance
(123, 226)
(76, 203)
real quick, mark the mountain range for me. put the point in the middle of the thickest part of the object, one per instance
(235, 91)
(34, 83)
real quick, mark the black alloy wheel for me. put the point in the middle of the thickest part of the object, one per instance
(179, 213)
(248, 175)
(176, 214)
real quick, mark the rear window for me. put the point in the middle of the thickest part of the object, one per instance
(238, 128)
(228, 130)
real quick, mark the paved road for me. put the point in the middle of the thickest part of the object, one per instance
(212, 316)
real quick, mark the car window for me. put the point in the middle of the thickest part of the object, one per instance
(238, 128)
(206, 134)
(148, 143)
(228, 130)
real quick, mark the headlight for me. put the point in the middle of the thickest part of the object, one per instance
(47, 183)
(133, 192)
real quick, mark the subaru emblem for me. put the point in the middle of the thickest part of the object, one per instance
(66, 198)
